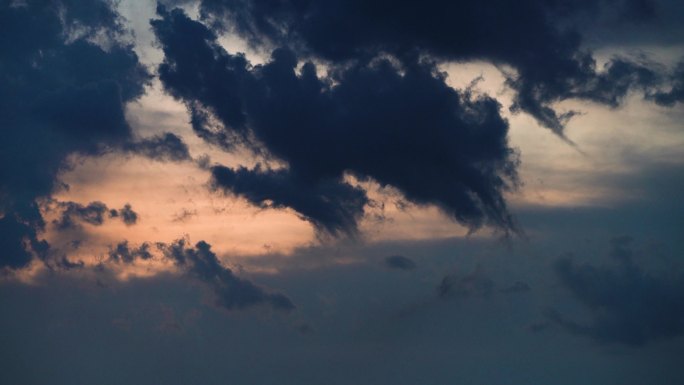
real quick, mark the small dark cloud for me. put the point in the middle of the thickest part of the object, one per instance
(231, 291)
(201, 263)
(128, 216)
(517, 287)
(399, 262)
(94, 213)
(628, 304)
(475, 284)
(121, 252)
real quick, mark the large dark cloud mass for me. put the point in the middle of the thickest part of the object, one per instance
(67, 74)
(60, 93)
(538, 39)
(628, 304)
(397, 123)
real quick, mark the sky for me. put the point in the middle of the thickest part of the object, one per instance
(341, 192)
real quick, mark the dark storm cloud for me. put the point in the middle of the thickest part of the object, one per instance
(399, 262)
(628, 304)
(539, 39)
(397, 123)
(67, 76)
(231, 291)
(93, 213)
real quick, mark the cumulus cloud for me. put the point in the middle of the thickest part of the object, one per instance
(397, 123)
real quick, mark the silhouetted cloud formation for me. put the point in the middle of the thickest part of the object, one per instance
(231, 291)
(126, 254)
(399, 124)
(399, 262)
(93, 213)
(67, 75)
(539, 40)
(127, 215)
(628, 304)
(69, 70)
